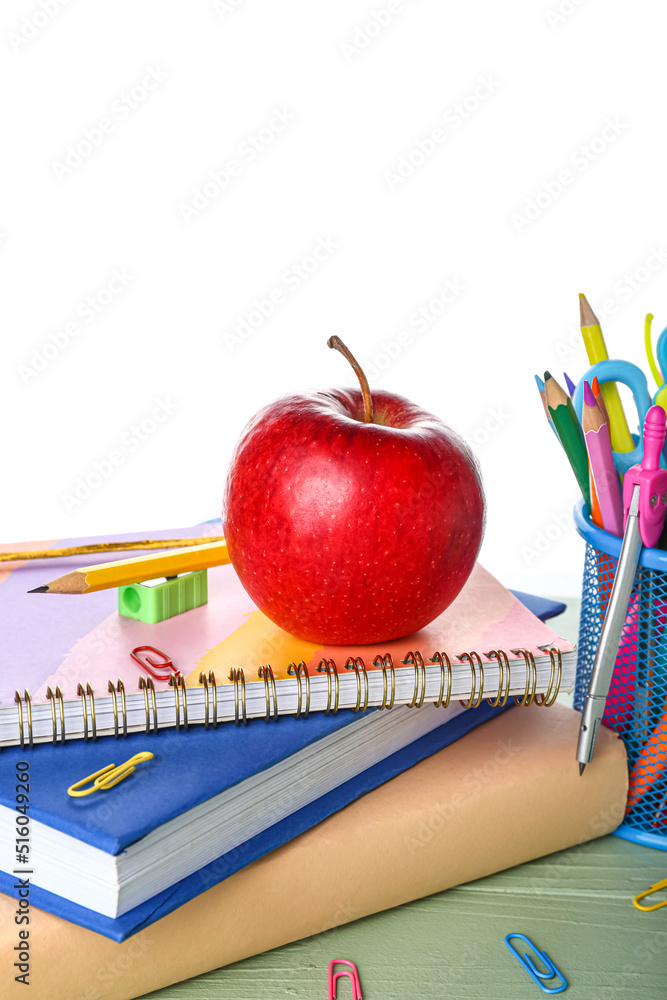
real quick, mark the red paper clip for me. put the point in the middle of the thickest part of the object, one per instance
(353, 976)
(147, 663)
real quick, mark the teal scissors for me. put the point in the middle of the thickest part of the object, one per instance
(615, 370)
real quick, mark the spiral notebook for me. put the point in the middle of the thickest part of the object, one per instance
(216, 797)
(66, 671)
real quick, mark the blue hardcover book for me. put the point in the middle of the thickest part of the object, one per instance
(75, 844)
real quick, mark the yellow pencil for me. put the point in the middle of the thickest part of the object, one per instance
(596, 349)
(82, 550)
(117, 574)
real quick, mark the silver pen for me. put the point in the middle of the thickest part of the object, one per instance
(610, 638)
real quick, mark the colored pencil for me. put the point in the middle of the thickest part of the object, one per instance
(84, 550)
(570, 433)
(603, 472)
(595, 386)
(543, 397)
(570, 384)
(125, 571)
(596, 349)
(596, 514)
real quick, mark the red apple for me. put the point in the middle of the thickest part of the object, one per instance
(345, 530)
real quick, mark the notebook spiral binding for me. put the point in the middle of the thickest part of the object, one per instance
(209, 682)
(302, 675)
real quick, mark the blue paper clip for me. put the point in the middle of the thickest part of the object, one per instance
(531, 968)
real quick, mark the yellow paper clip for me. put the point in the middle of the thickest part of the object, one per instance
(648, 892)
(108, 776)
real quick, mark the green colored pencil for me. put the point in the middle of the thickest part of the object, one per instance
(569, 432)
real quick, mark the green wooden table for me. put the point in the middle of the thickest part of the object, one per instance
(575, 905)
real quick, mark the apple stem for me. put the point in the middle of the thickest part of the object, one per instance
(337, 344)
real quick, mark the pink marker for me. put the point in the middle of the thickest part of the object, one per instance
(603, 471)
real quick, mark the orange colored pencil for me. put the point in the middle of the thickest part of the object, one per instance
(597, 392)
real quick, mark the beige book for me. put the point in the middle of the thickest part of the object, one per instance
(507, 792)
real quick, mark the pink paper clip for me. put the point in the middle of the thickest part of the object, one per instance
(352, 975)
(147, 663)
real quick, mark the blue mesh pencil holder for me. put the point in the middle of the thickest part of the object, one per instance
(637, 703)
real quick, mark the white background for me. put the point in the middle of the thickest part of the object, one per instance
(360, 96)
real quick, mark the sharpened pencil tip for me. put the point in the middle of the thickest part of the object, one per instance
(581, 769)
(547, 375)
(40, 590)
(569, 383)
(586, 315)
